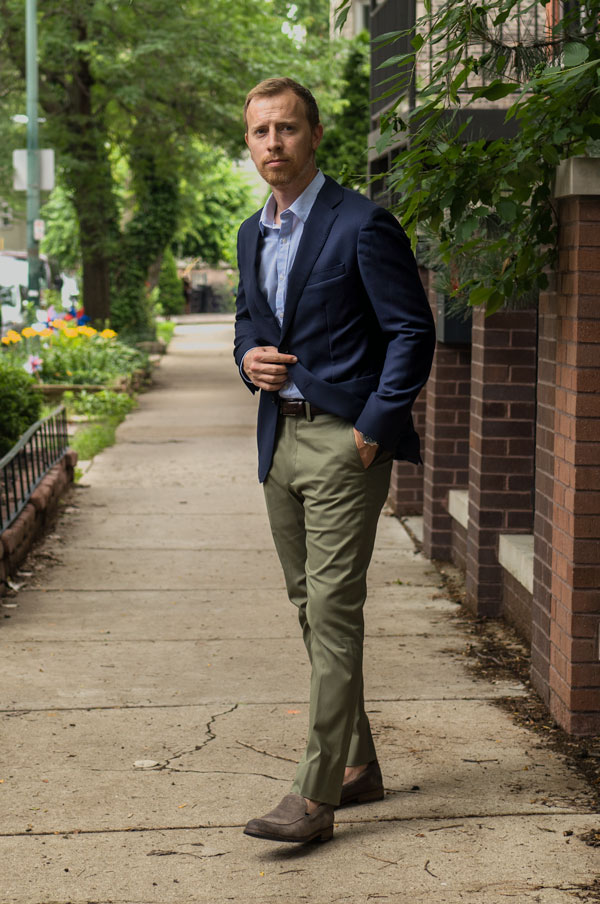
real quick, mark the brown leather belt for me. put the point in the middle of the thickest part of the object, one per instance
(299, 408)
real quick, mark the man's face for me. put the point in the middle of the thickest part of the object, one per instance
(281, 141)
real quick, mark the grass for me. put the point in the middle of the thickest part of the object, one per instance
(91, 439)
(165, 330)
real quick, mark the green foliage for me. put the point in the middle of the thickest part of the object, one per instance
(165, 330)
(342, 153)
(91, 439)
(214, 199)
(488, 203)
(139, 81)
(20, 404)
(170, 287)
(61, 241)
(101, 405)
(81, 359)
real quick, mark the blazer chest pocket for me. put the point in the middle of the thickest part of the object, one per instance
(323, 276)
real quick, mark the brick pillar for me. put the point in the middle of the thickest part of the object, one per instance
(574, 669)
(501, 460)
(544, 489)
(446, 440)
(406, 485)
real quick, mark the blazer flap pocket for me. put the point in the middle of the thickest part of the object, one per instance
(319, 276)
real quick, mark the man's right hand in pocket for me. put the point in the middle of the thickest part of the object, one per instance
(266, 368)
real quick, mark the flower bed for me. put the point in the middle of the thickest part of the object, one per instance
(59, 353)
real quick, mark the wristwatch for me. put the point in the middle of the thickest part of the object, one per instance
(368, 440)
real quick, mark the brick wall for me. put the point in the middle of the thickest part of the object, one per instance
(574, 668)
(517, 603)
(447, 441)
(406, 485)
(544, 483)
(502, 444)
(459, 545)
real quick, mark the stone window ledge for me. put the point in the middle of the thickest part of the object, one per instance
(458, 506)
(515, 554)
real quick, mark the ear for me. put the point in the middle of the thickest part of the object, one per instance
(316, 136)
(246, 139)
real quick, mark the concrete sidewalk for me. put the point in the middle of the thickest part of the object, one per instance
(154, 689)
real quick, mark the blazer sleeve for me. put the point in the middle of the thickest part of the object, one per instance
(391, 279)
(245, 333)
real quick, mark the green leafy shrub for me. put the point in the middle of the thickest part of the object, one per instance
(90, 440)
(165, 330)
(85, 358)
(100, 405)
(20, 405)
(170, 288)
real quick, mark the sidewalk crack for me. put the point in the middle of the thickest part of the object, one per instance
(210, 736)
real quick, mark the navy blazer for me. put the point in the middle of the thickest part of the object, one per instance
(356, 316)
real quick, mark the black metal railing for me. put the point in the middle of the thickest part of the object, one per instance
(27, 463)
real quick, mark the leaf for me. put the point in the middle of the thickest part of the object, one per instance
(388, 36)
(398, 59)
(496, 90)
(480, 295)
(593, 130)
(459, 80)
(384, 139)
(494, 302)
(574, 54)
(502, 17)
(507, 210)
(466, 228)
(550, 154)
(417, 42)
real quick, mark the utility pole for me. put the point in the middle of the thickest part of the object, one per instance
(33, 159)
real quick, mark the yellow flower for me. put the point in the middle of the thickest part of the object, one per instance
(108, 334)
(46, 332)
(71, 332)
(13, 336)
(59, 324)
(88, 331)
(5, 340)
(69, 373)
(28, 332)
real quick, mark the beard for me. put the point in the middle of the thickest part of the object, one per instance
(280, 175)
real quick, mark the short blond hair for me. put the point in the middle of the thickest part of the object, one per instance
(271, 86)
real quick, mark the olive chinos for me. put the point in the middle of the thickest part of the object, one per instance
(323, 508)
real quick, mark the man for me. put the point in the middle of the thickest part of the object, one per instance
(334, 328)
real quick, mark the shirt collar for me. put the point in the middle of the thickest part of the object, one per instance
(301, 207)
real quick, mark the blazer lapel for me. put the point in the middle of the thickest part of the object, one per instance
(314, 235)
(250, 272)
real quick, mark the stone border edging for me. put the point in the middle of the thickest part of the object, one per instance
(17, 540)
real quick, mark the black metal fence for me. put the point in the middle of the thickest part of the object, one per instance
(22, 469)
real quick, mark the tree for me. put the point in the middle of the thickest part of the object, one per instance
(215, 198)
(343, 150)
(142, 79)
(488, 204)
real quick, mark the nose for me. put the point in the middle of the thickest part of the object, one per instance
(274, 139)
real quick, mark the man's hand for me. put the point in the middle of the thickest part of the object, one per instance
(266, 367)
(366, 452)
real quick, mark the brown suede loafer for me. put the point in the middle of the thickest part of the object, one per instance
(367, 787)
(289, 821)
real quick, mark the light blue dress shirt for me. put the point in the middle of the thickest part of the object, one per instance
(278, 252)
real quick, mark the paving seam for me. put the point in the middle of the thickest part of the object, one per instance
(472, 817)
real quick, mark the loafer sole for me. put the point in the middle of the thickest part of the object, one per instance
(320, 835)
(363, 797)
